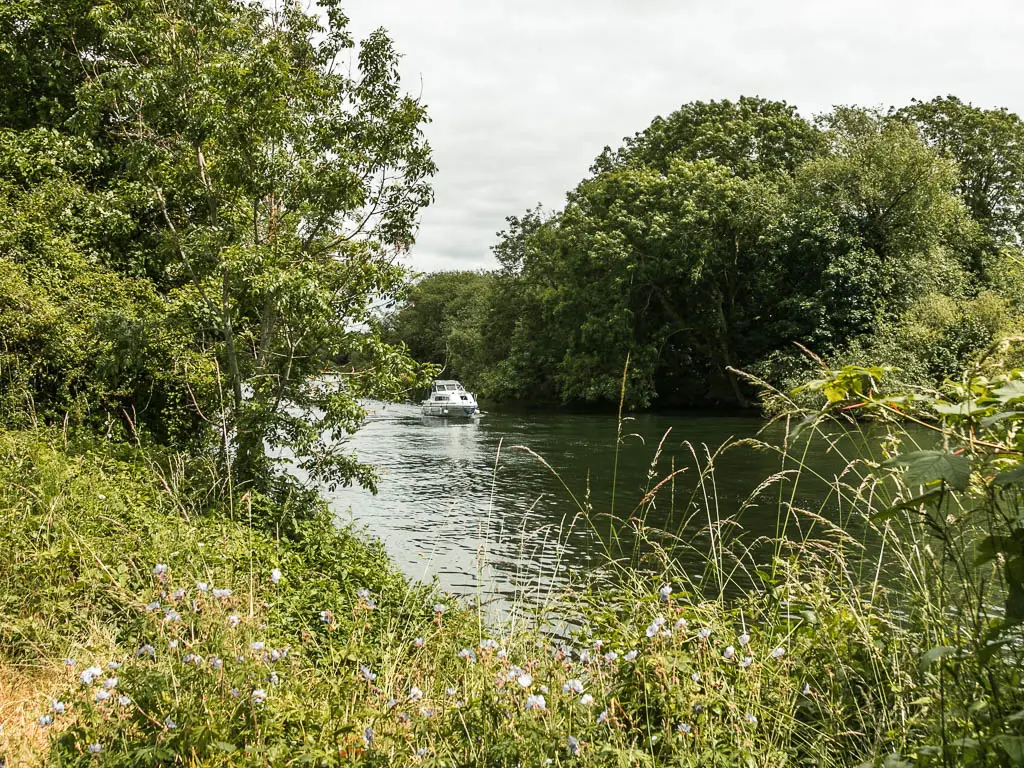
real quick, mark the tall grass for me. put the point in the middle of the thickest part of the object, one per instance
(850, 636)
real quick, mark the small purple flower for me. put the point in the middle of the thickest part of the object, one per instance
(259, 696)
(728, 653)
(275, 576)
(178, 594)
(451, 691)
(114, 666)
(223, 594)
(525, 680)
(69, 663)
(368, 675)
(233, 621)
(363, 593)
(572, 686)
(603, 717)
(257, 646)
(535, 702)
(146, 650)
(171, 616)
(586, 699)
(102, 696)
(629, 656)
(160, 570)
(57, 707)
(684, 728)
(695, 677)
(202, 586)
(703, 633)
(419, 642)
(415, 694)
(110, 683)
(95, 749)
(216, 662)
(746, 661)
(778, 653)
(744, 639)
(368, 736)
(468, 655)
(170, 724)
(681, 625)
(327, 617)
(665, 593)
(610, 656)
(440, 608)
(154, 606)
(573, 745)
(88, 676)
(488, 644)
(124, 701)
(45, 721)
(584, 656)
(750, 718)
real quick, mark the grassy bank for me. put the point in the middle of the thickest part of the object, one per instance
(143, 623)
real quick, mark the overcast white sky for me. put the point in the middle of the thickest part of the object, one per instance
(524, 95)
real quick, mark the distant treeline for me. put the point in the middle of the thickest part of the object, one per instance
(728, 233)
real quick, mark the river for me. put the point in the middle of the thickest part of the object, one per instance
(473, 504)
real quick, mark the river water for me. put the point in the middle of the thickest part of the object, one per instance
(491, 504)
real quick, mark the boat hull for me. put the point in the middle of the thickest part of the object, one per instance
(450, 410)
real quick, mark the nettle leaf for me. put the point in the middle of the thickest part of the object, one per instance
(1011, 390)
(929, 467)
(964, 409)
(989, 421)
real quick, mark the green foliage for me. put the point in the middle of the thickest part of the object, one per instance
(258, 226)
(109, 562)
(718, 239)
(959, 505)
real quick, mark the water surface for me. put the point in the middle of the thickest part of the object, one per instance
(472, 503)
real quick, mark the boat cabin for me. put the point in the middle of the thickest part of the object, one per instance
(447, 391)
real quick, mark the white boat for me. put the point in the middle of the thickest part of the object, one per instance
(448, 398)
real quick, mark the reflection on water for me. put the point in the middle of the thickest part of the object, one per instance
(463, 500)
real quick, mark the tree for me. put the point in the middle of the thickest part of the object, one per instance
(750, 136)
(988, 148)
(281, 183)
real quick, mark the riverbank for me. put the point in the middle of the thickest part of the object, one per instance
(142, 625)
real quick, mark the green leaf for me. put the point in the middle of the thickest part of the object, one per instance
(994, 419)
(1013, 746)
(223, 746)
(1011, 476)
(965, 743)
(988, 548)
(964, 409)
(929, 467)
(912, 503)
(1012, 390)
(934, 655)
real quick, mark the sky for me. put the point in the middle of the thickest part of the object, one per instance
(524, 95)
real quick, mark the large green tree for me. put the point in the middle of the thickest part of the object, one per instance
(279, 170)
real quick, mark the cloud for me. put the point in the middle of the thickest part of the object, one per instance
(523, 96)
